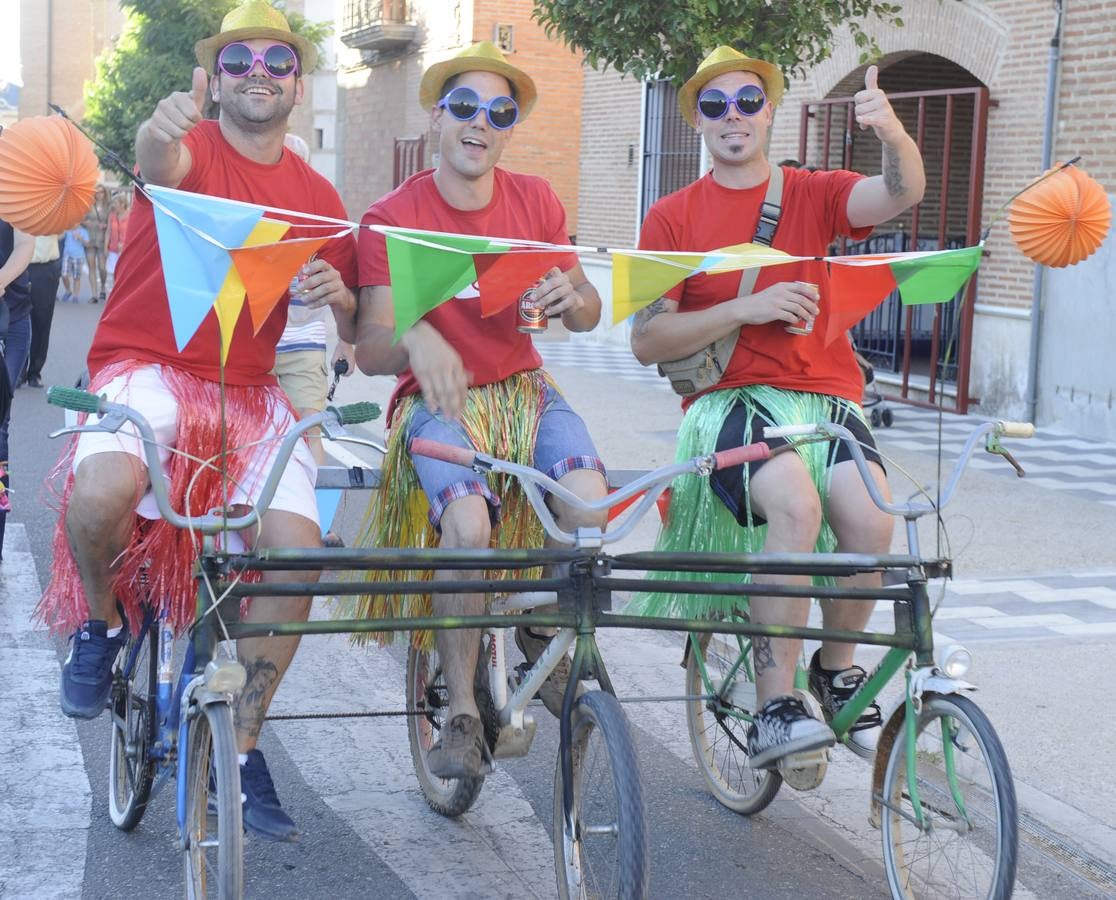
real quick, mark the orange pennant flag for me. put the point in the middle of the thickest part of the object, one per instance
(267, 272)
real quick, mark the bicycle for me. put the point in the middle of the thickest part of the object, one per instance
(163, 725)
(939, 767)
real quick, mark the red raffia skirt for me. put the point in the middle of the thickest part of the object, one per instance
(157, 567)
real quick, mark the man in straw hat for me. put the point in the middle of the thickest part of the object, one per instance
(253, 71)
(473, 381)
(772, 375)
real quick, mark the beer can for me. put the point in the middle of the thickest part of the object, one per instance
(531, 317)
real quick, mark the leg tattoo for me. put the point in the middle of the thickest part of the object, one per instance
(762, 657)
(250, 710)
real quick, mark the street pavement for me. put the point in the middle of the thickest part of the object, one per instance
(1035, 598)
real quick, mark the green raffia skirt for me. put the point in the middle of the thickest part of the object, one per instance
(700, 522)
(501, 419)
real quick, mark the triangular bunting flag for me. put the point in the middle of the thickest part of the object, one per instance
(936, 278)
(854, 291)
(267, 271)
(230, 299)
(194, 268)
(503, 277)
(638, 280)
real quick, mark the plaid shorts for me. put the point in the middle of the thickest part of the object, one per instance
(562, 444)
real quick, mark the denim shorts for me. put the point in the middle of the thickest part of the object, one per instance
(562, 444)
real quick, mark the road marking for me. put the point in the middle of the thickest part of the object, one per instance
(45, 797)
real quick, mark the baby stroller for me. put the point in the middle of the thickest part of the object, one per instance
(879, 410)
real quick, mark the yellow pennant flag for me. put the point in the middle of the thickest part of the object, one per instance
(638, 280)
(230, 299)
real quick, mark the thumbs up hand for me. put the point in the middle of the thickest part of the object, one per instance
(873, 110)
(176, 115)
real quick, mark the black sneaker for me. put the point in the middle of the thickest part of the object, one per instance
(262, 813)
(460, 751)
(783, 727)
(87, 671)
(833, 690)
(532, 646)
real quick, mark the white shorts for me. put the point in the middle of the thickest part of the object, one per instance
(144, 390)
(110, 261)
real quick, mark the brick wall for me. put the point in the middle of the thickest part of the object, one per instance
(82, 30)
(379, 103)
(609, 159)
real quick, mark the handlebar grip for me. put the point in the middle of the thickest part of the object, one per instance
(354, 413)
(74, 399)
(1015, 429)
(461, 456)
(786, 431)
(739, 455)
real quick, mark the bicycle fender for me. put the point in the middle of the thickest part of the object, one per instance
(923, 681)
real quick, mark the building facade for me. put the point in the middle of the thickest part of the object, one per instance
(958, 62)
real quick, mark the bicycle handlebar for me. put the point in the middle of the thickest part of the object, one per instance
(992, 431)
(652, 484)
(332, 421)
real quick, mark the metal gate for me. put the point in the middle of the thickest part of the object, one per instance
(671, 148)
(928, 347)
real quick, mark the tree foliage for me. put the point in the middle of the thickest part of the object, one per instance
(668, 38)
(153, 58)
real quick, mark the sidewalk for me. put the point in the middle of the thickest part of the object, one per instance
(1035, 595)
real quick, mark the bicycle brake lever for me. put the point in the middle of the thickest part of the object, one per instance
(1006, 454)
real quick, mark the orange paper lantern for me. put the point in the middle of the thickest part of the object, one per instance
(48, 175)
(1062, 219)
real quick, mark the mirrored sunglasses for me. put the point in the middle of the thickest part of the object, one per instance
(237, 60)
(463, 104)
(714, 103)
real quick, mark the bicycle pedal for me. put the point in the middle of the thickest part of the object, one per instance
(805, 771)
(513, 742)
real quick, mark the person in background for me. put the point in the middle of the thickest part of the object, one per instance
(16, 249)
(73, 260)
(96, 224)
(45, 272)
(300, 356)
(114, 236)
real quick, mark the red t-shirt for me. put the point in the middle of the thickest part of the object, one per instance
(707, 216)
(136, 324)
(522, 206)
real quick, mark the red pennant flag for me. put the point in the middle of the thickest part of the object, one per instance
(503, 277)
(267, 272)
(854, 291)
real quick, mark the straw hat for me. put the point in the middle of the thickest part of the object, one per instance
(255, 19)
(483, 56)
(725, 59)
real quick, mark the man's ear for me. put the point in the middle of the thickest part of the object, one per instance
(300, 91)
(436, 118)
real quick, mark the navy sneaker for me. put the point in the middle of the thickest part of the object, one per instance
(87, 671)
(262, 813)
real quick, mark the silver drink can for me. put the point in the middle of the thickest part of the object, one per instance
(531, 317)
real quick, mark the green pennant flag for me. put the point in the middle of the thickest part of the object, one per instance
(937, 278)
(424, 275)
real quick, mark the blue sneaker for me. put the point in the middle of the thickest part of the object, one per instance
(87, 671)
(262, 813)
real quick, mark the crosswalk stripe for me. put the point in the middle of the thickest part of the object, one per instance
(45, 797)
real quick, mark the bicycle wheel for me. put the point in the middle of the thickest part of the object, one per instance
(719, 728)
(214, 840)
(427, 693)
(967, 846)
(605, 854)
(131, 769)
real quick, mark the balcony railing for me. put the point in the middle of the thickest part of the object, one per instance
(377, 25)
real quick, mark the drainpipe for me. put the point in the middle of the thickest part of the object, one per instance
(50, 54)
(1040, 270)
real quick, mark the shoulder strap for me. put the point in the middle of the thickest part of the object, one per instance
(770, 210)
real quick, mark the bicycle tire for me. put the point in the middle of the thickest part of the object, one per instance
(913, 857)
(426, 691)
(214, 857)
(590, 861)
(720, 742)
(131, 769)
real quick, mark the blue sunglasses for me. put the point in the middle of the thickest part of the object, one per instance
(714, 103)
(464, 103)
